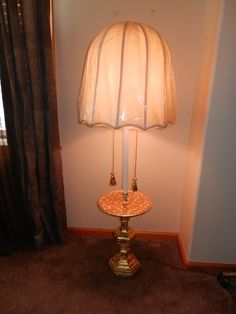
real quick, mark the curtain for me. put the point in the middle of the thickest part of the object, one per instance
(32, 192)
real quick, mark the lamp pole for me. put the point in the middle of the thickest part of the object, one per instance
(125, 164)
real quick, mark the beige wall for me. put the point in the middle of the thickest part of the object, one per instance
(87, 152)
(201, 106)
(214, 231)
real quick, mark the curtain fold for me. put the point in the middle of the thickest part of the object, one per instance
(16, 226)
(30, 106)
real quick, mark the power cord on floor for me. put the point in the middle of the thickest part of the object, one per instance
(193, 270)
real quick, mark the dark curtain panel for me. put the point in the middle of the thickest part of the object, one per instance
(16, 225)
(32, 176)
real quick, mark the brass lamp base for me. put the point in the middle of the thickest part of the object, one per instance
(124, 267)
(124, 263)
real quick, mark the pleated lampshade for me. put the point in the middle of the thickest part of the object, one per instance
(127, 79)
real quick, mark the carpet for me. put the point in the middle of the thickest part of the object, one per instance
(75, 278)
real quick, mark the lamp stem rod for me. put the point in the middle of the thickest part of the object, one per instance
(125, 160)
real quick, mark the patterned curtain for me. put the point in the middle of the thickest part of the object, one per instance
(30, 107)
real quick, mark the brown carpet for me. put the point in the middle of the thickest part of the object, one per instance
(75, 278)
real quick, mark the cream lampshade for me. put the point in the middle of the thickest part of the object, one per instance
(127, 79)
(127, 82)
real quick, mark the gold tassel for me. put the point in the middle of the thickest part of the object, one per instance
(135, 186)
(113, 178)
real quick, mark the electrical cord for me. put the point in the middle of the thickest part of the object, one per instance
(193, 270)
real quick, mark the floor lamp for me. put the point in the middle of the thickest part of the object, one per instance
(127, 83)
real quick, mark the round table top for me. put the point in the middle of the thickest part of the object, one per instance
(111, 203)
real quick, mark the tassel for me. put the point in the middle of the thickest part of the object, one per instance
(135, 186)
(113, 179)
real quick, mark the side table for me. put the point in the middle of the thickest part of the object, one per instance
(124, 263)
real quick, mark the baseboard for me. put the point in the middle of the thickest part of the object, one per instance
(91, 231)
(109, 232)
(170, 236)
(157, 235)
(182, 252)
(206, 266)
